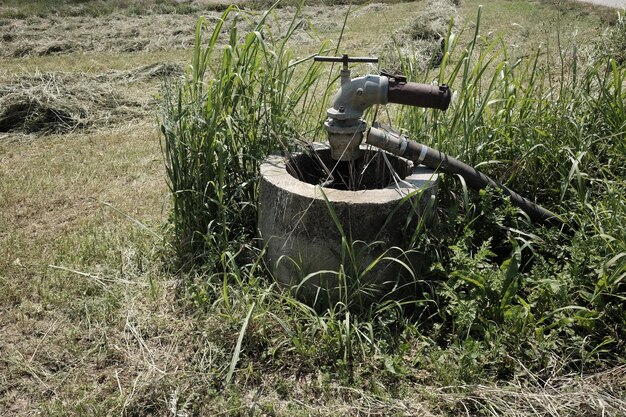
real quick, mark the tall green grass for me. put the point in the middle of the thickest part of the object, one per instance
(552, 126)
(520, 118)
(502, 298)
(240, 102)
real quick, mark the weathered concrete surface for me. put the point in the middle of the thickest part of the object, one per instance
(302, 238)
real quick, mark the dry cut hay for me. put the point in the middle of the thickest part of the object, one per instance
(30, 114)
(45, 36)
(62, 102)
(601, 394)
(148, 72)
(39, 104)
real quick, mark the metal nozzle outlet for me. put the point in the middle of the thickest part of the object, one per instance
(419, 95)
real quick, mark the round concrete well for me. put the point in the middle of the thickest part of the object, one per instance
(307, 228)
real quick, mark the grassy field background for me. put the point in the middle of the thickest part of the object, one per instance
(96, 319)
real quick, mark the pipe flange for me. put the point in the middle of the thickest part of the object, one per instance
(345, 138)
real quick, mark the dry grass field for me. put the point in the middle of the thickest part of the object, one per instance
(92, 320)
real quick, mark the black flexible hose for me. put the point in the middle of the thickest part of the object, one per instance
(437, 160)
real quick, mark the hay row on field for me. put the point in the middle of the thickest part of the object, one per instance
(62, 102)
(42, 36)
(36, 36)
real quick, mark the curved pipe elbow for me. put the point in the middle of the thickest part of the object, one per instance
(356, 95)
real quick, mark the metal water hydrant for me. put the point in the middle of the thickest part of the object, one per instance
(345, 126)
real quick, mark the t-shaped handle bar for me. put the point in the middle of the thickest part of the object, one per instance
(345, 59)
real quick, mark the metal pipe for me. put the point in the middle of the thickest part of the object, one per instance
(356, 95)
(420, 95)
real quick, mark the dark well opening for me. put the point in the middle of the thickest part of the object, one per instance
(374, 170)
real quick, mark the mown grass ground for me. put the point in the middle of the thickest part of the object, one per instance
(94, 319)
